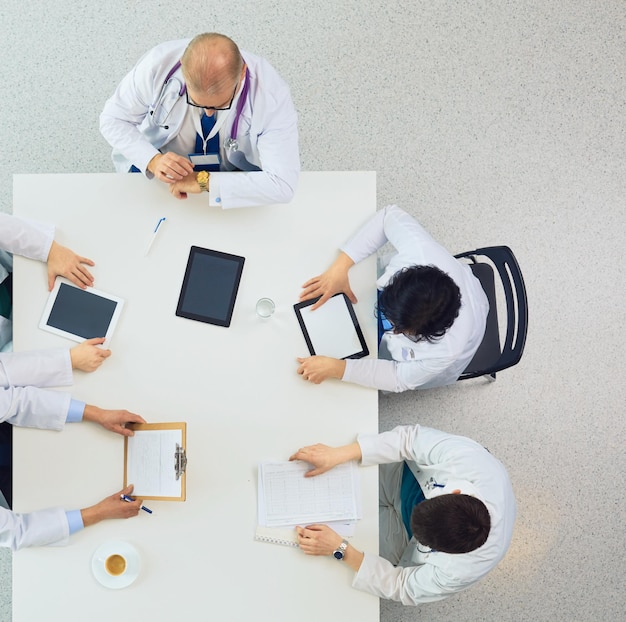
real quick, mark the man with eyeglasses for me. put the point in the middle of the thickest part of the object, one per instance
(201, 115)
(446, 510)
(431, 308)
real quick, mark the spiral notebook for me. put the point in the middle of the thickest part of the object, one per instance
(287, 536)
(286, 498)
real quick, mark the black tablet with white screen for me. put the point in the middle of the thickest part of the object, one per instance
(210, 286)
(332, 329)
(80, 314)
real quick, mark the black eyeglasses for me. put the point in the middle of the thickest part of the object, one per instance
(214, 108)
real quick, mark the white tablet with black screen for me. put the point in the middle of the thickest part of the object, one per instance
(80, 314)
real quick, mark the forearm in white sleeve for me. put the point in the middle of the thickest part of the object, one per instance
(410, 586)
(249, 189)
(33, 529)
(24, 237)
(280, 163)
(124, 136)
(408, 237)
(368, 239)
(126, 109)
(31, 407)
(40, 368)
(393, 446)
(375, 373)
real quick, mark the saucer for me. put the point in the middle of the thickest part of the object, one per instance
(133, 564)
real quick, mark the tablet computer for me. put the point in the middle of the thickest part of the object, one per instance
(80, 314)
(332, 329)
(210, 286)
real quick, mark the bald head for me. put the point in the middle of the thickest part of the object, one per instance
(211, 64)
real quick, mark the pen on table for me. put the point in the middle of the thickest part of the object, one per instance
(154, 234)
(143, 507)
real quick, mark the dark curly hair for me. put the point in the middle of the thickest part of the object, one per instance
(451, 523)
(421, 302)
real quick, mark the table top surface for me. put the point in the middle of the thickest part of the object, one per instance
(236, 388)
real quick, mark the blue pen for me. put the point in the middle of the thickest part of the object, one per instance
(154, 234)
(143, 507)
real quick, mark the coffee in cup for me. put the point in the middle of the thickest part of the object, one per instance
(115, 565)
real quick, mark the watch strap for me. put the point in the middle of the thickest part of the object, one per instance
(340, 552)
(203, 180)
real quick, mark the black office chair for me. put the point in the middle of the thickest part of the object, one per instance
(491, 357)
(6, 459)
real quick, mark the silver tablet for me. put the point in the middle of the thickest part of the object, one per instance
(80, 314)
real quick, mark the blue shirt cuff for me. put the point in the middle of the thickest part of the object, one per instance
(75, 521)
(75, 411)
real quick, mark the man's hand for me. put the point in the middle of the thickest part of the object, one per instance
(316, 369)
(322, 540)
(87, 357)
(64, 262)
(170, 167)
(180, 189)
(113, 420)
(331, 282)
(324, 458)
(111, 507)
(318, 539)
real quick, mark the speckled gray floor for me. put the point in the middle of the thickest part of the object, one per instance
(492, 122)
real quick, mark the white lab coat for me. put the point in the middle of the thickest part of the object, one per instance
(22, 237)
(23, 403)
(420, 365)
(267, 158)
(39, 528)
(456, 462)
(23, 399)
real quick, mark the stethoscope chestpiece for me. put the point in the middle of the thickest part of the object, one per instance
(231, 144)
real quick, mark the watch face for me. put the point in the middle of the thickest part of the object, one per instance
(338, 555)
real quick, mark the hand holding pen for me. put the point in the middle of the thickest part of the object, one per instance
(143, 507)
(111, 507)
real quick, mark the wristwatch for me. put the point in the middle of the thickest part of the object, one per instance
(203, 180)
(340, 552)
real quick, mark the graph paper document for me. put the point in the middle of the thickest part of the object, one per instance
(287, 498)
(150, 461)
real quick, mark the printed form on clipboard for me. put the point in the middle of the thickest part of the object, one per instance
(155, 461)
(287, 499)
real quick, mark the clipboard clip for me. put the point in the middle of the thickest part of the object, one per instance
(180, 457)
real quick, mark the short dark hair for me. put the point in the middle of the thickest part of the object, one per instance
(421, 301)
(451, 523)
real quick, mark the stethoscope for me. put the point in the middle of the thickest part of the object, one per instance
(231, 143)
(431, 484)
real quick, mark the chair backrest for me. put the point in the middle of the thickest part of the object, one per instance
(491, 356)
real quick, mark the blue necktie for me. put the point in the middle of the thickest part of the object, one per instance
(213, 146)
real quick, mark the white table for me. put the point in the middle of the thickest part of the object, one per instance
(236, 387)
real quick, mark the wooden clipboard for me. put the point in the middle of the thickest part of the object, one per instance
(154, 448)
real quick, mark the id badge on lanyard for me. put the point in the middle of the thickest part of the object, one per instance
(209, 158)
(205, 161)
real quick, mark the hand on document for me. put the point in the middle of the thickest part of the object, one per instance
(324, 458)
(318, 539)
(113, 420)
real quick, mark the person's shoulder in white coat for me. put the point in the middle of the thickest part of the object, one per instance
(453, 462)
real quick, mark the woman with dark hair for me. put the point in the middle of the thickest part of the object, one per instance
(431, 306)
